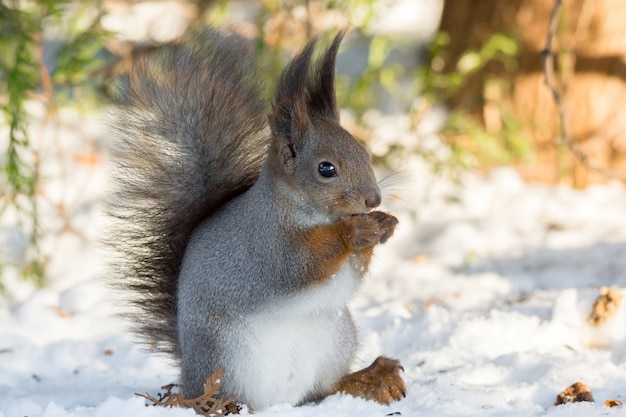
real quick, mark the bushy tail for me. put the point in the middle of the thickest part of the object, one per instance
(191, 136)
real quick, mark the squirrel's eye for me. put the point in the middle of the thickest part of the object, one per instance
(326, 169)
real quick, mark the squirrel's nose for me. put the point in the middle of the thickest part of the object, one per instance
(373, 200)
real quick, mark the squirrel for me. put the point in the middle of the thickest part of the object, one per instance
(242, 236)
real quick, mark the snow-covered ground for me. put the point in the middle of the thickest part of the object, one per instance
(483, 294)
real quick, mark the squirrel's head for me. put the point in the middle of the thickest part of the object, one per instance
(311, 153)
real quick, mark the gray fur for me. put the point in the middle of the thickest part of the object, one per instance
(216, 244)
(232, 273)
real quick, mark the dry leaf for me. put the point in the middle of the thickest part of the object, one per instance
(207, 404)
(87, 158)
(574, 393)
(62, 313)
(612, 403)
(605, 306)
(420, 258)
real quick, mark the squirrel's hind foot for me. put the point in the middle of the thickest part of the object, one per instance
(381, 381)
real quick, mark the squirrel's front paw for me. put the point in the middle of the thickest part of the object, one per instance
(365, 230)
(381, 381)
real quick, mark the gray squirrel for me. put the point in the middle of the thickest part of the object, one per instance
(240, 237)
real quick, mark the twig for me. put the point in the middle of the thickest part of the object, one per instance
(548, 68)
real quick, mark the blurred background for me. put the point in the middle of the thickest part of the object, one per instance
(537, 85)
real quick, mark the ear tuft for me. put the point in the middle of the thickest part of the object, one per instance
(289, 117)
(322, 100)
(305, 91)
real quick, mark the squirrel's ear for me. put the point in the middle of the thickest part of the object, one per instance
(289, 118)
(321, 97)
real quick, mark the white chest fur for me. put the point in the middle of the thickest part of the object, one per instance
(300, 347)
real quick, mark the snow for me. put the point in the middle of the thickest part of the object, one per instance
(483, 294)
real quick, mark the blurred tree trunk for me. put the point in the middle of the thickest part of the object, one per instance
(591, 70)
